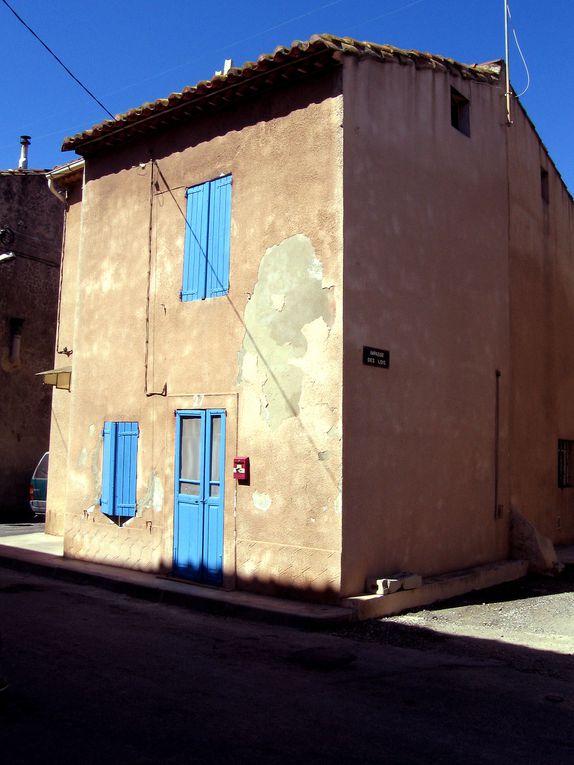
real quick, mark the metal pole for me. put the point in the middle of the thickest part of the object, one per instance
(507, 64)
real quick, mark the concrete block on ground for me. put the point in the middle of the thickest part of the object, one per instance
(436, 588)
(387, 585)
(382, 586)
(408, 581)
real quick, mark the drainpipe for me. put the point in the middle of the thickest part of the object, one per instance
(24, 143)
(53, 175)
(58, 194)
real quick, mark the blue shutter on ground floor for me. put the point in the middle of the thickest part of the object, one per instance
(108, 463)
(119, 469)
(126, 468)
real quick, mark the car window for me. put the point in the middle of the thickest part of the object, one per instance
(42, 469)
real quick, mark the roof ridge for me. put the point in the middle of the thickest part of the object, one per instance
(302, 57)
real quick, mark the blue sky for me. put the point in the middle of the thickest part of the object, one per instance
(135, 51)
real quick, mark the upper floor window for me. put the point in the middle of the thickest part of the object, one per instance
(207, 236)
(459, 112)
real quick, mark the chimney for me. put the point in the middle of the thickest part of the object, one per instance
(24, 143)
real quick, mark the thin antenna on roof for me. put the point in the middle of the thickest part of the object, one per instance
(506, 60)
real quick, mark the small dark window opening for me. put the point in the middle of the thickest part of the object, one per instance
(565, 463)
(15, 339)
(459, 112)
(544, 191)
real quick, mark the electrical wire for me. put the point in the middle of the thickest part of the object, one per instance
(229, 46)
(59, 60)
(225, 48)
(521, 55)
(392, 12)
(18, 234)
(525, 65)
(26, 256)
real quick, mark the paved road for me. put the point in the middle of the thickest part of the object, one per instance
(97, 677)
(22, 527)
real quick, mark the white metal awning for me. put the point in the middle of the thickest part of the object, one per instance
(60, 378)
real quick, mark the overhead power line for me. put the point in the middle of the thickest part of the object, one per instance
(59, 60)
(521, 53)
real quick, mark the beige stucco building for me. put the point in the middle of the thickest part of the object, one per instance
(341, 263)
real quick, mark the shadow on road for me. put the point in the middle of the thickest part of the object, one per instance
(171, 685)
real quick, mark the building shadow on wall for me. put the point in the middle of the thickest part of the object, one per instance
(202, 128)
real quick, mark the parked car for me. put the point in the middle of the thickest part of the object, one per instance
(39, 486)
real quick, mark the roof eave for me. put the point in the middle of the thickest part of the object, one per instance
(282, 66)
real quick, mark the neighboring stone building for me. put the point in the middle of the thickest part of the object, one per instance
(341, 263)
(31, 221)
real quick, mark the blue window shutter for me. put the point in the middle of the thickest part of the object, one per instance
(126, 469)
(219, 237)
(196, 233)
(108, 462)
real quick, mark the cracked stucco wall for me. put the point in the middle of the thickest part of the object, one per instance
(269, 352)
(290, 392)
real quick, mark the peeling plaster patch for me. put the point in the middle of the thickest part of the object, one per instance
(315, 270)
(92, 429)
(330, 306)
(96, 469)
(323, 456)
(261, 501)
(90, 509)
(240, 357)
(278, 302)
(287, 297)
(338, 504)
(316, 335)
(249, 367)
(157, 494)
(154, 494)
(82, 457)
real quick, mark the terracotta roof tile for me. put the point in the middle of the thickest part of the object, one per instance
(19, 171)
(300, 59)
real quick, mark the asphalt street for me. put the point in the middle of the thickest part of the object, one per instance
(99, 677)
(34, 526)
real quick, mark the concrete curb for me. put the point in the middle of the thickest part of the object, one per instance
(161, 589)
(435, 589)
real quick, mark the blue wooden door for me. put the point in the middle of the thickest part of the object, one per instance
(199, 488)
